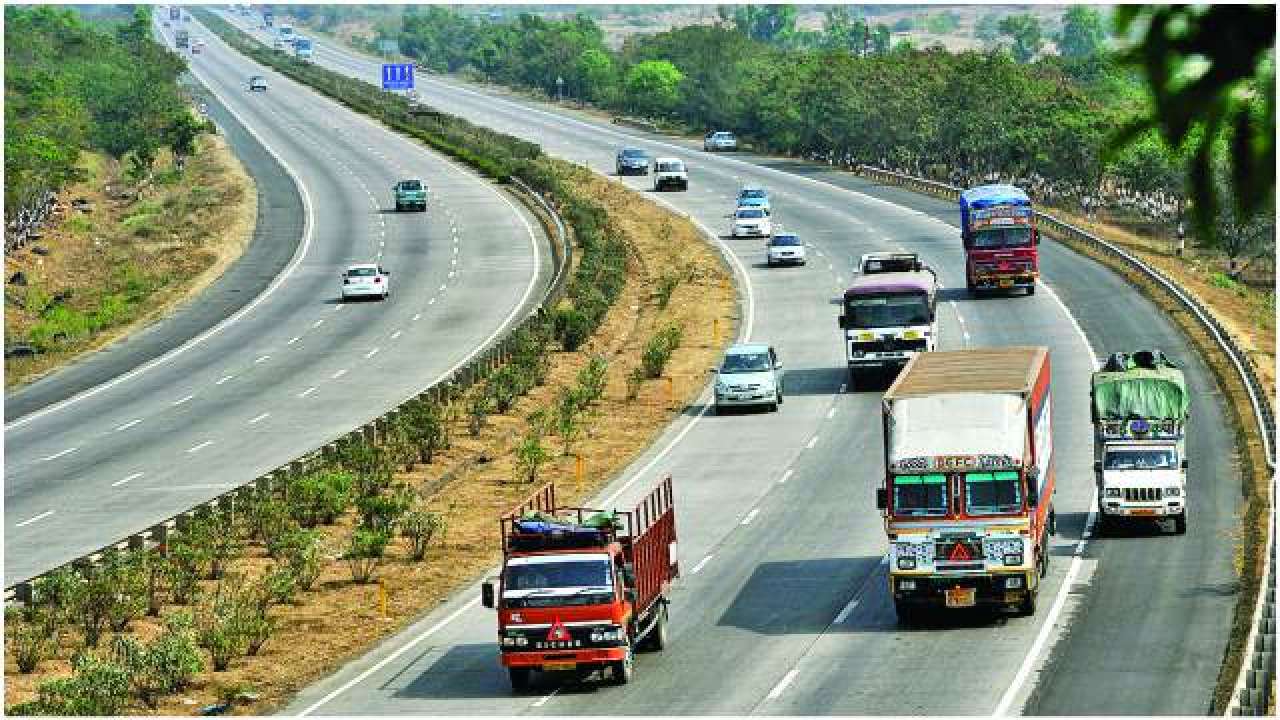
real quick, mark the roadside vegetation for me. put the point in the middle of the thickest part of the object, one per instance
(247, 604)
(150, 207)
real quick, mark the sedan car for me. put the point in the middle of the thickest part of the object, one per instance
(753, 196)
(366, 280)
(257, 82)
(784, 250)
(719, 140)
(749, 375)
(631, 160)
(751, 222)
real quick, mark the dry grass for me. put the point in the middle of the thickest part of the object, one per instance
(473, 481)
(155, 250)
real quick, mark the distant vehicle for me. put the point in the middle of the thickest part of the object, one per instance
(719, 140)
(175, 13)
(631, 160)
(166, 23)
(410, 194)
(277, 45)
(753, 196)
(889, 314)
(182, 38)
(750, 222)
(670, 172)
(302, 48)
(257, 82)
(967, 497)
(267, 18)
(285, 33)
(196, 46)
(582, 589)
(998, 230)
(1140, 410)
(749, 375)
(366, 280)
(784, 250)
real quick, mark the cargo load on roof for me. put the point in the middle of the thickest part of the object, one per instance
(998, 231)
(1142, 385)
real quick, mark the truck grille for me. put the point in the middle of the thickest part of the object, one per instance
(1142, 494)
(891, 345)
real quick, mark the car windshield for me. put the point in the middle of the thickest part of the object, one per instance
(992, 493)
(746, 362)
(751, 213)
(410, 185)
(753, 194)
(723, 136)
(362, 272)
(634, 154)
(1141, 459)
(670, 167)
(920, 495)
(1002, 237)
(785, 240)
(567, 574)
(874, 311)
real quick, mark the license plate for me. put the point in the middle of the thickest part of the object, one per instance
(552, 667)
(1142, 511)
(961, 597)
(1006, 283)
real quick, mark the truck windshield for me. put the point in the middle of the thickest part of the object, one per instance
(567, 574)
(1002, 237)
(920, 495)
(992, 493)
(1141, 459)
(670, 167)
(874, 311)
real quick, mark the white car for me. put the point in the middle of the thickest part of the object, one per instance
(670, 172)
(750, 222)
(720, 140)
(784, 249)
(366, 280)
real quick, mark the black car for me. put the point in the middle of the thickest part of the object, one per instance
(631, 160)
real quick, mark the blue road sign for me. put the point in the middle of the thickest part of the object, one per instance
(397, 76)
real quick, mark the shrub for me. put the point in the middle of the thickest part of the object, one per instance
(162, 666)
(477, 412)
(98, 687)
(635, 379)
(571, 326)
(567, 419)
(220, 629)
(365, 549)
(188, 563)
(530, 456)
(426, 429)
(317, 498)
(503, 387)
(372, 467)
(219, 539)
(28, 642)
(94, 599)
(54, 596)
(592, 378)
(659, 349)
(126, 574)
(269, 518)
(421, 526)
(1222, 280)
(301, 553)
(667, 285)
(380, 512)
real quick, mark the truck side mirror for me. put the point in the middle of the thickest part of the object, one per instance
(882, 499)
(1036, 237)
(1033, 495)
(843, 322)
(1097, 466)
(486, 594)
(1184, 463)
(630, 595)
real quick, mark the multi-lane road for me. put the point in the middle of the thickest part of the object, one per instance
(293, 367)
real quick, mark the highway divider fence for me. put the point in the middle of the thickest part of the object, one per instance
(1252, 689)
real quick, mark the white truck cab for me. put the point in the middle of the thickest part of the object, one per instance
(889, 314)
(670, 172)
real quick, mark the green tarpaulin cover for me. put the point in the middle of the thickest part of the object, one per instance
(1151, 393)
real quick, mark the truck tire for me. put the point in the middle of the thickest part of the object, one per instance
(623, 670)
(399, 207)
(519, 678)
(1027, 607)
(773, 406)
(657, 638)
(907, 613)
(853, 380)
(1180, 524)
(1032, 289)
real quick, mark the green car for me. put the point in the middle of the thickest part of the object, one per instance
(411, 194)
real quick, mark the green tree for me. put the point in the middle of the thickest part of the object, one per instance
(599, 79)
(766, 23)
(1024, 29)
(881, 39)
(1083, 34)
(987, 29)
(653, 87)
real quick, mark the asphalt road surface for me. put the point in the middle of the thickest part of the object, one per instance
(783, 606)
(295, 367)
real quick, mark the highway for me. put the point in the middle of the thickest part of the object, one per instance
(294, 367)
(783, 607)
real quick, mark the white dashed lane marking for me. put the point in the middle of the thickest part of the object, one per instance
(37, 518)
(306, 392)
(224, 379)
(57, 455)
(201, 446)
(260, 418)
(182, 400)
(122, 481)
(338, 374)
(128, 425)
(750, 516)
(372, 352)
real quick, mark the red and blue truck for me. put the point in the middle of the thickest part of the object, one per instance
(998, 229)
(582, 589)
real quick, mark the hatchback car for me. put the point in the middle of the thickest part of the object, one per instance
(257, 82)
(753, 196)
(784, 250)
(750, 222)
(749, 375)
(631, 160)
(366, 280)
(719, 140)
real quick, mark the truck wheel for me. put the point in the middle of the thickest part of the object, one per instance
(1032, 289)
(1027, 607)
(773, 406)
(519, 678)
(853, 380)
(1180, 524)
(907, 613)
(399, 207)
(657, 640)
(623, 670)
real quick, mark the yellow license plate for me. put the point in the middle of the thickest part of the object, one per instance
(1006, 283)
(1142, 511)
(552, 667)
(961, 597)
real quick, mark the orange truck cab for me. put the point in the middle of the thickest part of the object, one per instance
(998, 229)
(582, 589)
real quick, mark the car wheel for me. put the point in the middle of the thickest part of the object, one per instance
(1027, 607)
(768, 262)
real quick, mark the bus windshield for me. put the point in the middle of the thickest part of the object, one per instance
(920, 495)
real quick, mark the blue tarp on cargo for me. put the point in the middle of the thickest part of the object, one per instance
(988, 196)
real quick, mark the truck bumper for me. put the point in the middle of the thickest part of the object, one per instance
(1118, 509)
(1005, 282)
(957, 592)
(551, 661)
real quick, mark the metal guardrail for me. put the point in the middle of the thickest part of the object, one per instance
(1252, 689)
(478, 368)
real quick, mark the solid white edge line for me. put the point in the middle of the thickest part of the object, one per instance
(847, 610)
(701, 564)
(299, 254)
(786, 680)
(750, 516)
(786, 476)
(30, 520)
(813, 441)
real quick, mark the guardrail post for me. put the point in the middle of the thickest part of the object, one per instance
(22, 593)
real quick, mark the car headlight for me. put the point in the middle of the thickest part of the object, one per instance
(906, 562)
(1172, 492)
(1014, 559)
(1113, 492)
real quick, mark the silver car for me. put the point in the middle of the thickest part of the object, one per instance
(719, 140)
(749, 375)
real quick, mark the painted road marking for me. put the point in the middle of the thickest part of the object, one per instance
(262, 359)
(57, 455)
(224, 379)
(338, 374)
(200, 447)
(543, 700)
(396, 334)
(319, 322)
(294, 340)
(750, 516)
(701, 564)
(786, 476)
(417, 316)
(306, 392)
(786, 680)
(812, 441)
(128, 425)
(179, 402)
(372, 352)
(848, 610)
(37, 518)
(260, 418)
(831, 413)
(134, 476)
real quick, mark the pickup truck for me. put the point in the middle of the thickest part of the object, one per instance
(670, 172)
(410, 194)
(582, 588)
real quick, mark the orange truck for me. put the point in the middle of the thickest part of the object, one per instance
(582, 589)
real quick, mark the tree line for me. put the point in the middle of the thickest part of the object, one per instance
(73, 85)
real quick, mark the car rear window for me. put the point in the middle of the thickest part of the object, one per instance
(632, 153)
(410, 185)
(670, 167)
(787, 240)
(362, 272)
(751, 213)
(752, 194)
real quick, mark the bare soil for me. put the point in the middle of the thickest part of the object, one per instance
(475, 479)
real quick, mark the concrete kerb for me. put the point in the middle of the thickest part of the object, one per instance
(271, 482)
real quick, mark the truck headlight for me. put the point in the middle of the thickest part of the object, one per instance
(1014, 559)
(1113, 492)
(906, 562)
(1013, 582)
(1172, 492)
(906, 584)
(508, 641)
